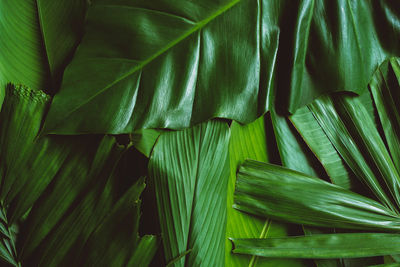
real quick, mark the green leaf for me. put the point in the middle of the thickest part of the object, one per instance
(172, 64)
(190, 170)
(144, 251)
(249, 141)
(67, 185)
(162, 61)
(275, 192)
(293, 152)
(319, 144)
(353, 133)
(116, 240)
(353, 245)
(22, 60)
(37, 41)
(61, 24)
(144, 140)
(79, 171)
(385, 90)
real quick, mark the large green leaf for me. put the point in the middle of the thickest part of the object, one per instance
(163, 62)
(190, 170)
(171, 64)
(272, 191)
(249, 141)
(37, 41)
(352, 245)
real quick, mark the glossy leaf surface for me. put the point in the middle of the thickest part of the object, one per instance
(171, 64)
(272, 191)
(249, 141)
(355, 136)
(319, 144)
(190, 170)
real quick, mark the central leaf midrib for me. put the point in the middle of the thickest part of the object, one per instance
(170, 45)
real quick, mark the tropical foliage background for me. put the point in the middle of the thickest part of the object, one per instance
(199, 133)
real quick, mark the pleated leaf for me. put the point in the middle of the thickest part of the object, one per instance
(116, 240)
(353, 133)
(326, 246)
(190, 170)
(293, 153)
(276, 192)
(58, 190)
(320, 145)
(249, 141)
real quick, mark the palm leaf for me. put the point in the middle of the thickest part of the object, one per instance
(65, 186)
(319, 144)
(351, 130)
(272, 191)
(385, 87)
(190, 170)
(325, 246)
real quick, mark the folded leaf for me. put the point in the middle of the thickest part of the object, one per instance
(190, 170)
(275, 192)
(144, 140)
(325, 246)
(353, 133)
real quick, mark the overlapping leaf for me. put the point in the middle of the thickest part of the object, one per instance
(163, 62)
(249, 141)
(348, 125)
(37, 41)
(190, 170)
(352, 131)
(68, 185)
(276, 192)
(322, 246)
